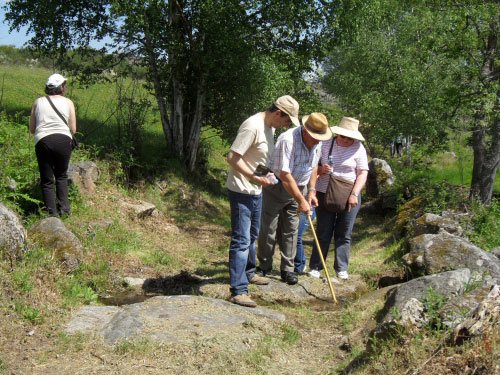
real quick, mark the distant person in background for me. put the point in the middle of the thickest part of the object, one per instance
(252, 147)
(350, 162)
(398, 146)
(53, 143)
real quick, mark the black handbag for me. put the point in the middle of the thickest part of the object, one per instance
(74, 142)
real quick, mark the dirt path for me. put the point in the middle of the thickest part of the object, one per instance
(316, 338)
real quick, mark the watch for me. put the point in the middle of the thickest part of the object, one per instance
(354, 193)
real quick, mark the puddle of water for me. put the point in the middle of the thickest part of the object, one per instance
(125, 299)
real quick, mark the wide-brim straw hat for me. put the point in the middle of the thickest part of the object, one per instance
(348, 127)
(316, 124)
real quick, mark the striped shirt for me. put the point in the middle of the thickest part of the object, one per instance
(347, 162)
(293, 156)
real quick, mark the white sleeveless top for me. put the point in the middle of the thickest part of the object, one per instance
(48, 121)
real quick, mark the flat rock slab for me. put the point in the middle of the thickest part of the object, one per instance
(185, 320)
(307, 290)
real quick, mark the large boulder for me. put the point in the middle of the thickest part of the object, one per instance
(404, 305)
(84, 174)
(435, 253)
(380, 178)
(53, 235)
(407, 214)
(12, 233)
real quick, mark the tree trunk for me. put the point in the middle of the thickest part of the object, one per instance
(486, 162)
(193, 139)
(177, 118)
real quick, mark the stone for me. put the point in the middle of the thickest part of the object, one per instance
(435, 253)
(432, 224)
(84, 174)
(140, 210)
(456, 308)
(407, 213)
(52, 234)
(481, 319)
(182, 319)
(12, 233)
(380, 178)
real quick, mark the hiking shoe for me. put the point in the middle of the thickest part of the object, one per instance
(243, 300)
(314, 273)
(259, 280)
(261, 272)
(290, 278)
(343, 275)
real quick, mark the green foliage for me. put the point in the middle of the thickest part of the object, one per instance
(28, 312)
(23, 280)
(433, 302)
(483, 224)
(75, 292)
(290, 334)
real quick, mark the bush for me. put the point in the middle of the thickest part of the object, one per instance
(483, 228)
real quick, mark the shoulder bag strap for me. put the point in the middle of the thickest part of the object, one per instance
(331, 148)
(58, 113)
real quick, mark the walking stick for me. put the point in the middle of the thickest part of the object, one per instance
(322, 259)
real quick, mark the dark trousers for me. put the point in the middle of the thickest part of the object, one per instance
(53, 153)
(336, 225)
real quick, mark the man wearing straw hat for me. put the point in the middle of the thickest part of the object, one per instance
(251, 148)
(293, 161)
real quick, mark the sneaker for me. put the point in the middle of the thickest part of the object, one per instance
(343, 275)
(259, 280)
(243, 300)
(314, 273)
(290, 278)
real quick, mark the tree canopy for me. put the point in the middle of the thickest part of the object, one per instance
(206, 61)
(420, 67)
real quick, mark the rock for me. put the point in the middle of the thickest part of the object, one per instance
(456, 309)
(185, 320)
(403, 306)
(380, 178)
(482, 319)
(443, 251)
(52, 234)
(140, 210)
(12, 233)
(496, 252)
(134, 281)
(432, 223)
(10, 183)
(84, 174)
(407, 214)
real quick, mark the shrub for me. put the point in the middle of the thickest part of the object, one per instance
(482, 225)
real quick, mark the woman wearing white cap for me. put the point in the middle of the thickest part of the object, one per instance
(348, 157)
(53, 122)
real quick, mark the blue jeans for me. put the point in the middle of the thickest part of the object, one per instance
(300, 258)
(245, 224)
(331, 224)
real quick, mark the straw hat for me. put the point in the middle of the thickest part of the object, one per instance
(290, 106)
(316, 125)
(348, 127)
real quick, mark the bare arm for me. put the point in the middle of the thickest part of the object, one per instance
(291, 186)
(33, 118)
(358, 186)
(72, 117)
(238, 163)
(311, 188)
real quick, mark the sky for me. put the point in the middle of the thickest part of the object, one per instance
(15, 38)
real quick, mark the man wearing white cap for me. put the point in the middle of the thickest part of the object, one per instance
(251, 148)
(293, 161)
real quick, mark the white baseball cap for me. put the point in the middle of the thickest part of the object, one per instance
(55, 80)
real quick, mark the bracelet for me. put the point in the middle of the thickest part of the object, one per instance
(311, 189)
(355, 194)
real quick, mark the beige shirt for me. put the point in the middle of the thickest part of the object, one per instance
(48, 121)
(255, 143)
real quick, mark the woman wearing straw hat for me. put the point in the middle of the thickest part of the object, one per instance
(348, 160)
(53, 122)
